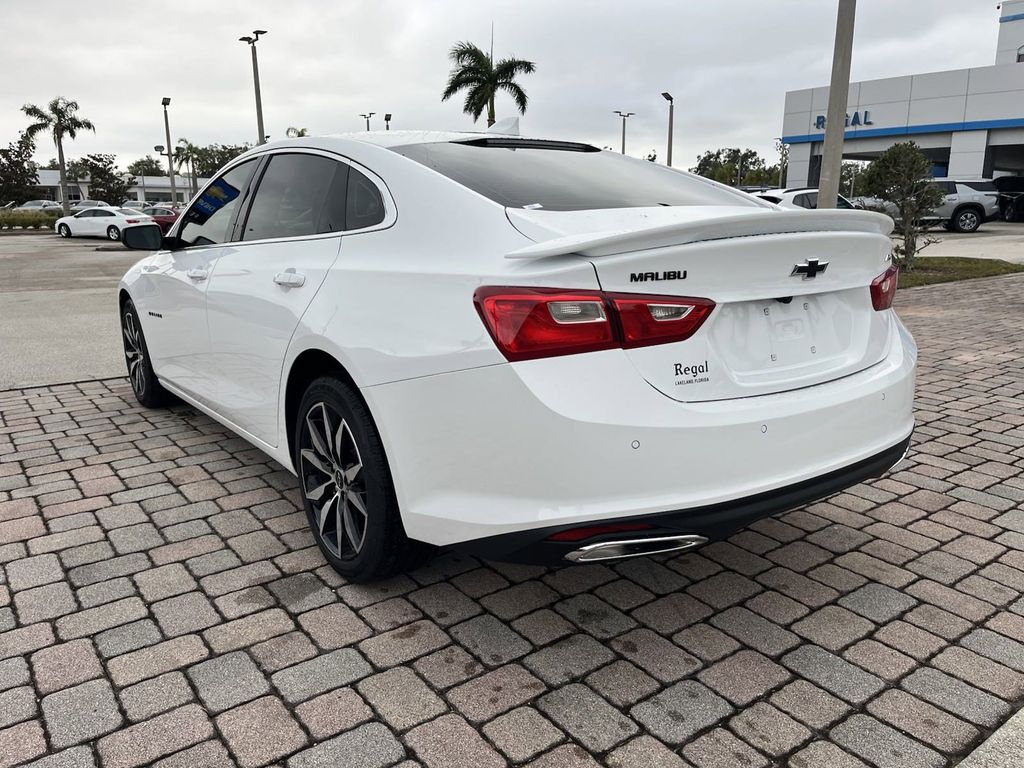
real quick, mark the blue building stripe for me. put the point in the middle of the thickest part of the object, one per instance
(910, 130)
(1011, 17)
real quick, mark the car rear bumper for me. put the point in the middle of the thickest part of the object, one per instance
(712, 522)
(486, 454)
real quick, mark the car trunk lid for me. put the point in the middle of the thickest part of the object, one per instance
(791, 288)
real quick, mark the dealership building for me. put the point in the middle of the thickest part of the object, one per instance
(969, 122)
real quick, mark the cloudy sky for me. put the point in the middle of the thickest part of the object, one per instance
(728, 64)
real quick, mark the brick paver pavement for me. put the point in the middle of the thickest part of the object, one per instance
(161, 602)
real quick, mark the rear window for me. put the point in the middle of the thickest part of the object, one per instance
(556, 176)
(980, 186)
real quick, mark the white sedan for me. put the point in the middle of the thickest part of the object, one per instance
(529, 350)
(100, 221)
(800, 197)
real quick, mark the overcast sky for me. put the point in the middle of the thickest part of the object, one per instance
(728, 64)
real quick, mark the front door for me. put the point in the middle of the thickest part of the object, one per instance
(172, 295)
(263, 282)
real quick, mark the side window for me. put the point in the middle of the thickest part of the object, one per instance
(292, 196)
(208, 221)
(85, 215)
(100, 212)
(364, 206)
(804, 201)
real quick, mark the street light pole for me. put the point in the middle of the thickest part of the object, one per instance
(671, 116)
(261, 137)
(624, 115)
(170, 161)
(367, 117)
(835, 121)
(387, 121)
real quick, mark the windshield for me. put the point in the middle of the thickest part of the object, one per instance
(559, 176)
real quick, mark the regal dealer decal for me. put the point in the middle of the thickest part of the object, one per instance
(691, 374)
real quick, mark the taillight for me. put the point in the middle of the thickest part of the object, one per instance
(132, 221)
(530, 323)
(883, 288)
(588, 532)
(648, 320)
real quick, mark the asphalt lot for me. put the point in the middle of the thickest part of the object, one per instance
(58, 305)
(162, 603)
(994, 240)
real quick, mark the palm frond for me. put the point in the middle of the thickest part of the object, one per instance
(517, 93)
(459, 79)
(507, 69)
(465, 53)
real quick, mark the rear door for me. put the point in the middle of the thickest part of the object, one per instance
(264, 281)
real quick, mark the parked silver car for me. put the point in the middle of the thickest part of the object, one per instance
(967, 203)
(38, 205)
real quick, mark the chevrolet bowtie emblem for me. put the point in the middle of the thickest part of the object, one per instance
(809, 268)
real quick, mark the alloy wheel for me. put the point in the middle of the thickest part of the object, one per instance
(113, 233)
(968, 221)
(134, 353)
(332, 481)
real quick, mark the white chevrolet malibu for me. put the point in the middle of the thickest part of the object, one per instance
(528, 350)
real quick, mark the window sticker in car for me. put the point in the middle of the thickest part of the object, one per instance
(215, 197)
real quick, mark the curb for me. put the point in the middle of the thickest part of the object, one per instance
(1003, 748)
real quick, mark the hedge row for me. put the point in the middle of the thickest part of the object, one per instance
(27, 219)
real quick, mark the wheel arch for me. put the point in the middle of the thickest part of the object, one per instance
(311, 364)
(977, 207)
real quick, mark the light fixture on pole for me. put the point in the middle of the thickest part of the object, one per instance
(367, 117)
(170, 158)
(624, 115)
(251, 41)
(387, 121)
(671, 115)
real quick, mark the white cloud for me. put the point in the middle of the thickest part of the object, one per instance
(321, 64)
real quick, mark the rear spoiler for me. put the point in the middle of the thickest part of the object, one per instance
(764, 222)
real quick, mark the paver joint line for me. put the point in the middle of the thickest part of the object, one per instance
(161, 602)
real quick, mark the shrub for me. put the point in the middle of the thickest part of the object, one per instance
(27, 219)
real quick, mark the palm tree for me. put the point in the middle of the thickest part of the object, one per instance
(60, 120)
(474, 72)
(185, 155)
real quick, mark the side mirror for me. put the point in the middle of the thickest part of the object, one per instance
(143, 237)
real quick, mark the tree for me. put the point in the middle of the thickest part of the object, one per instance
(900, 176)
(147, 166)
(106, 182)
(51, 165)
(185, 155)
(296, 133)
(474, 72)
(59, 119)
(78, 170)
(17, 171)
(735, 166)
(212, 158)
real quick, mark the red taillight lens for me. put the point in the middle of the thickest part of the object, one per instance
(883, 288)
(648, 320)
(529, 323)
(579, 534)
(132, 221)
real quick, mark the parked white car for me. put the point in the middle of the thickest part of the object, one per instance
(100, 222)
(38, 205)
(800, 197)
(529, 350)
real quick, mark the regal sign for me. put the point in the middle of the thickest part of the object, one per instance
(852, 121)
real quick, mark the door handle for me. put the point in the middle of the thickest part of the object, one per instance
(290, 279)
(197, 274)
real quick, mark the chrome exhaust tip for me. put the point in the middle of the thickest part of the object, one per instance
(616, 550)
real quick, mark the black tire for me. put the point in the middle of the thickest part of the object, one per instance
(113, 233)
(329, 485)
(144, 383)
(966, 219)
(64, 230)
